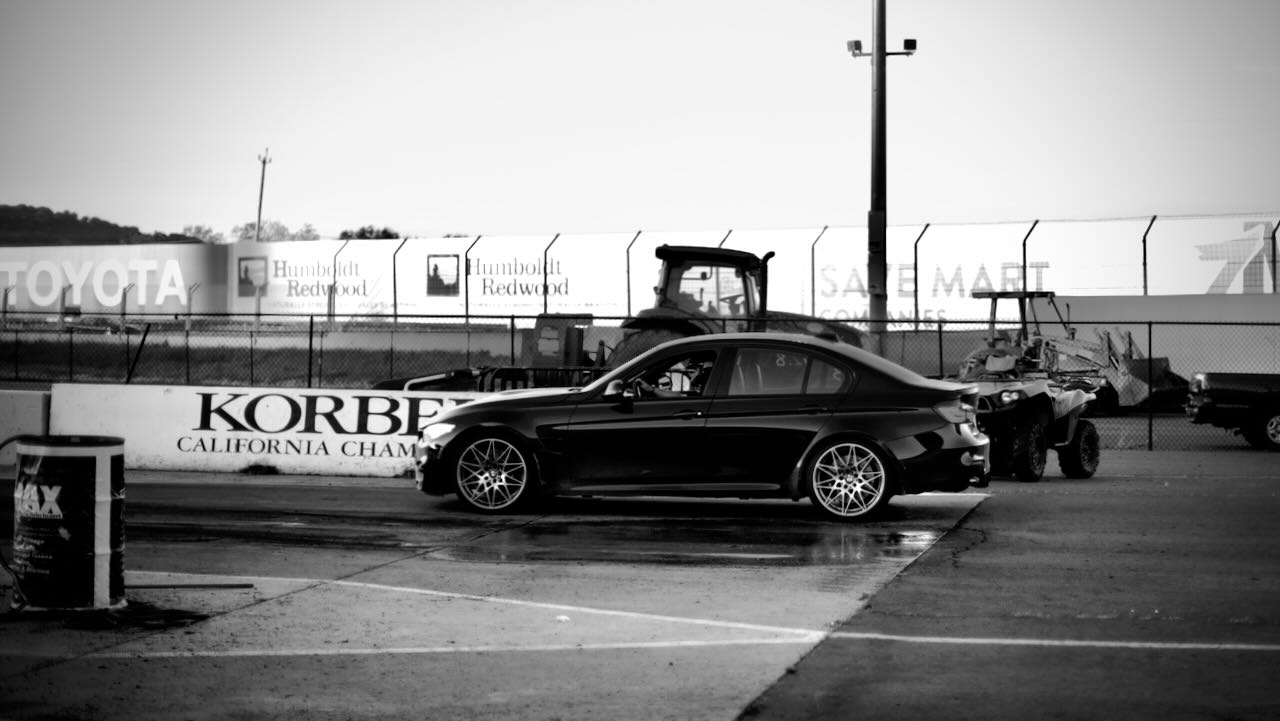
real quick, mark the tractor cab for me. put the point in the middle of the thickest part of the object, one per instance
(712, 282)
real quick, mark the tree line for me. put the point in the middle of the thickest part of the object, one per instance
(22, 225)
(30, 225)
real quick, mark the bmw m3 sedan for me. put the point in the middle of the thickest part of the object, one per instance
(740, 415)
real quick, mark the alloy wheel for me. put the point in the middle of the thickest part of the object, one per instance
(492, 474)
(848, 480)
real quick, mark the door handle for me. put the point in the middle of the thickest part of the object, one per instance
(687, 414)
(814, 410)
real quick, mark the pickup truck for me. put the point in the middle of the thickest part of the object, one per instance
(1246, 403)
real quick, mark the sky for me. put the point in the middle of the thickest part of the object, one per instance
(506, 117)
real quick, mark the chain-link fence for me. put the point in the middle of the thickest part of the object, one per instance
(1147, 364)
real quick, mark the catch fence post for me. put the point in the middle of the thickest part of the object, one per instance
(1151, 379)
(941, 372)
(311, 345)
(251, 345)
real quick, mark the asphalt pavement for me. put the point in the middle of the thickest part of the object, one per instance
(1151, 591)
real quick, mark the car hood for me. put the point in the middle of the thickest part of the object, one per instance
(542, 395)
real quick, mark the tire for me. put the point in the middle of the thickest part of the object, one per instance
(634, 344)
(1030, 451)
(1079, 457)
(493, 474)
(848, 480)
(1264, 431)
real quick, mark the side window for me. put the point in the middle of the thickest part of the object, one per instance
(765, 371)
(826, 378)
(683, 376)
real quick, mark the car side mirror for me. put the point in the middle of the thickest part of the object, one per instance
(616, 391)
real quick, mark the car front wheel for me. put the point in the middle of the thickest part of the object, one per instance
(848, 480)
(493, 474)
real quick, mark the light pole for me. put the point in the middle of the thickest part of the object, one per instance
(262, 186)
(877, 270)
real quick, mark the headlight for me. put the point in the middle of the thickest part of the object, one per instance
(436, 430)
(1007, 397)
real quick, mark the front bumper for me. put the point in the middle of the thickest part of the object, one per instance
(430, 472)
(1203, 411)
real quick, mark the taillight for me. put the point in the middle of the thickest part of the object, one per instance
(955, 411)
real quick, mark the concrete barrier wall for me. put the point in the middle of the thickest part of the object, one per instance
(237, 429)
(21, 412)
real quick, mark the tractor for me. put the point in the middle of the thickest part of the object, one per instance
(714, 290)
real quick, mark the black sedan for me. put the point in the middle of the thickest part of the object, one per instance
(733, 415)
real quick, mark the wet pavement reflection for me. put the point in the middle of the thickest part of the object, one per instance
(759, 541)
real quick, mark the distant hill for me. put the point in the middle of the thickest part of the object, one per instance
(27, 225)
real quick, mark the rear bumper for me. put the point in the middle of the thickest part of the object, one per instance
(962, 459)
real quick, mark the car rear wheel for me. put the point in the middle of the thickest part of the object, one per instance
(1079, 458)
(1030, 451)
(848, 480)
(1264, 432)
(493, 474)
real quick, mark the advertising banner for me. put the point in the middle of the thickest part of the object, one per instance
(231, 429)
(431, 278)
(1214, 256)
(142, 278)
(296, 277)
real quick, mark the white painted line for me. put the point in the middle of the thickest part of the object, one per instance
(1058, 643)
(312, 583)
(797, 635)
(420, 650)
(581, 609)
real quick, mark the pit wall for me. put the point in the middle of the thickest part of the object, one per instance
(262, 430)
(21, 413)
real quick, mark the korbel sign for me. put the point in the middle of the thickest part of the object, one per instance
(292, 430)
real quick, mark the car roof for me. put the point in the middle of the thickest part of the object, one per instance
(865, 357)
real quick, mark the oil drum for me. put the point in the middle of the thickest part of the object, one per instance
(68, 532)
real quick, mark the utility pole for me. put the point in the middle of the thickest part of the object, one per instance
(877, 224)
(262, 185)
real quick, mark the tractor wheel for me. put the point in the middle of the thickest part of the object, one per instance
(633, 344)
(1079, 458)
(1030, 450)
